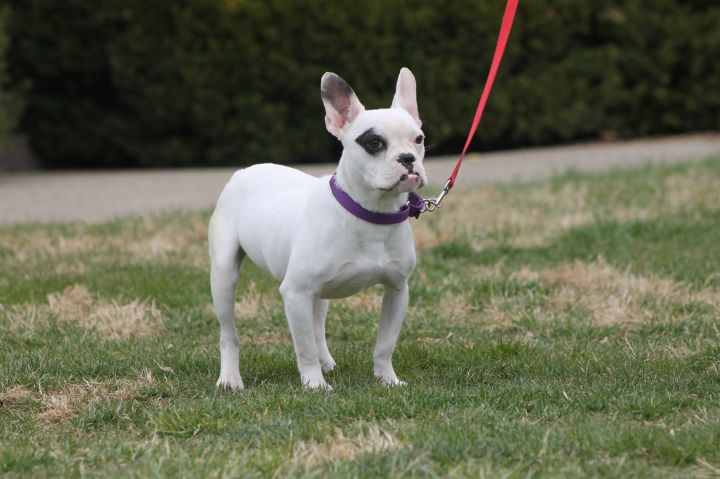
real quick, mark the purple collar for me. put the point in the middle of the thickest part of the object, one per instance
(411, 208)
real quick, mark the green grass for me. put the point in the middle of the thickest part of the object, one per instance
(568, 328)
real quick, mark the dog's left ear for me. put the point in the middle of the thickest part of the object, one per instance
(405, 95)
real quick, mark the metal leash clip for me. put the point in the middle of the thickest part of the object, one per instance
(430, 205)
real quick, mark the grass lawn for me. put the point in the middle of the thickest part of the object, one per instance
(567, 328)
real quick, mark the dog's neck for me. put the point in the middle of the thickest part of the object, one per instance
(370, 199)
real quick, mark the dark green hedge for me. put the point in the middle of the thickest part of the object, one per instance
(212, 82)
(9, 100)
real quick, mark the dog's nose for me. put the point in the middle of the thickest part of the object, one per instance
(406, 159)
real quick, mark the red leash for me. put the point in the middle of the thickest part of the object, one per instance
(505, 28)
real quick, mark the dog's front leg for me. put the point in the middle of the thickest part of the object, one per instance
(395, 302)
(320, 314)
(299, 310)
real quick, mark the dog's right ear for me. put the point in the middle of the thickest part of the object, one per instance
(405, 96)
(341, 104)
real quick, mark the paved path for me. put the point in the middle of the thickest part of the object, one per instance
(98, 196)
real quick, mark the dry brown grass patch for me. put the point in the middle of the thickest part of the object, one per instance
(612, 296)
(532, 218)
(539, 212)
(602, 276)
(251, 304)
(65, 402)
(158, 240)
(454, 307)
(111, 319)
(368, 300)
(451, 338)
(498, 314)
(339, 447)
(39, 245)
(59, 405)
(25, 318)
(15, 395)
(677, 349)
(151, 238)
(69, 400)
(266, 338)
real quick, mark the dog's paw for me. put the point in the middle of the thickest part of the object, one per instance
(390, 381)
(315, 384)
(327, 364)
(233, 382)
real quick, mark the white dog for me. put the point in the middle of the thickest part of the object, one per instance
(326, 238)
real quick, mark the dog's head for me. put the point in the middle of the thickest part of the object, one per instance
(384, 148)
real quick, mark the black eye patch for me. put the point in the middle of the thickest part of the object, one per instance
(372, 142)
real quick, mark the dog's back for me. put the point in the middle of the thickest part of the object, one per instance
(258, 208)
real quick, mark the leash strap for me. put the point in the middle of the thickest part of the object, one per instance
(505, 28)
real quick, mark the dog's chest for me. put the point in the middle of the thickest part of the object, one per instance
(354, 277)
(365, 265)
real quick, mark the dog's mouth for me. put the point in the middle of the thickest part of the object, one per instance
(407, 182)
(414, 177)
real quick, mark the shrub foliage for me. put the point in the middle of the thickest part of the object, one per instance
(9, 101)
(233, 82)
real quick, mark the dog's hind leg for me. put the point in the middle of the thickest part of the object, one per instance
(320, 309)
(225, 257)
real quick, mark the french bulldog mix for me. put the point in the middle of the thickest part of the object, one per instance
(326, 238)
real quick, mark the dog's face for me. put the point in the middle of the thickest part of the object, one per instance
(384, 148)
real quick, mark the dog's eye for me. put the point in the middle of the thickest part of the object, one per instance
(419, 139)
(375, 144)
(371, 142)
